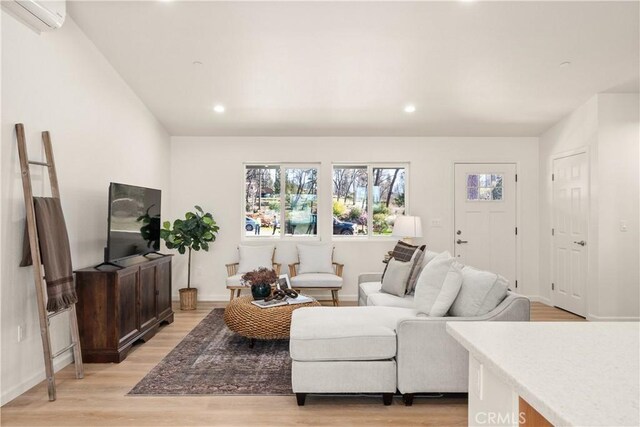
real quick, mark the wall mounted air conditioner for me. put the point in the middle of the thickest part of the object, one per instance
(41, 15)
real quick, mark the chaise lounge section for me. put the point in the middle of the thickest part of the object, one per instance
(344, 350)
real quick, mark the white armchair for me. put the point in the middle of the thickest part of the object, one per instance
(250, 258)
(317, 270)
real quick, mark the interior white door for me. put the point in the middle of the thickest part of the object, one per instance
(485, 217)
(570, 213)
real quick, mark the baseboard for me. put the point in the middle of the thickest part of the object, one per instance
(35, 379)
(225, 297)
(595, 318)
(590, 317)
(537, 298)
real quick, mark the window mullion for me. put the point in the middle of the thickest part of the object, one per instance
(283, 207)
(370, 201)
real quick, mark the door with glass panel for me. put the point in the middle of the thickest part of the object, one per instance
(485, 217)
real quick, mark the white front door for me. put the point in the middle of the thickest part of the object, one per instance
(485, 217)
(570, 212)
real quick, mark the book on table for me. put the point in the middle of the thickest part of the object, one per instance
(301, 299)
(268, 304)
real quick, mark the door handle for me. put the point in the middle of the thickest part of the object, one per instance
(581, 243)
(461, 241)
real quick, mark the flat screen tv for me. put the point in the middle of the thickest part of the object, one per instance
(134, 221)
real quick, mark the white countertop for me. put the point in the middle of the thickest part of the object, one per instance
(573, 373)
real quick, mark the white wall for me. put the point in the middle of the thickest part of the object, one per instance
(618, 182)
(101, 132)
(607, 126)
(208, 171)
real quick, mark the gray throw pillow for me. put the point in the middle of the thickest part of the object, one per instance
(480, 293)
(425, 258)
(437, 286)
(428, 257)
(395, 280)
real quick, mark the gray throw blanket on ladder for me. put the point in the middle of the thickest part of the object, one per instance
(55, 253)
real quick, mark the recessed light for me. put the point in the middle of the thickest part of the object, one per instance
(565, 64)
(410, 108)
(219, 108)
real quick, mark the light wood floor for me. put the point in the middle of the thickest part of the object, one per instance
(100, 398)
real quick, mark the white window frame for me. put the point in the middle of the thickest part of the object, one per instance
(482, 200)
(370, 167)
(283, 166)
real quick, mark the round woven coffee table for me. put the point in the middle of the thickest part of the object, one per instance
(257, 323)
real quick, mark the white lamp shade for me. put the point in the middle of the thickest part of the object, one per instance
(407, 226)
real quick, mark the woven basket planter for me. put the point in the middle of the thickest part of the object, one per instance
(188, 298)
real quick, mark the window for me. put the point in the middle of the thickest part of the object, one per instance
(262, 200)
(301, 206)
(388, 198)
(484, 187)
(264, 196)
(352, 198)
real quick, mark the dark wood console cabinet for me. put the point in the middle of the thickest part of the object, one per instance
(117, 307)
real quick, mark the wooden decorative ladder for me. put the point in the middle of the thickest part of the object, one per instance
(38, 276)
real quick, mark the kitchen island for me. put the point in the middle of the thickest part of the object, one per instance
(570, 373)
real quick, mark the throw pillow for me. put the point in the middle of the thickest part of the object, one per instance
(405, 252)
(425, 259)
(416, 269)
(254, 257)
(480, 293)
(447, 293)
(437, 286)
(395, 281)
(428, 257)
(315, 258)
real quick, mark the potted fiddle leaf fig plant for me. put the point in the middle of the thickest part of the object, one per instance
(193, 233)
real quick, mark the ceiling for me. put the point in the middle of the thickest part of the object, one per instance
(349, 68)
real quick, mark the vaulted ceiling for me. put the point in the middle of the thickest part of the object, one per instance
(349, 68)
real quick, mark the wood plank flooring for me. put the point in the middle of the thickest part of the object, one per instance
(100, 398)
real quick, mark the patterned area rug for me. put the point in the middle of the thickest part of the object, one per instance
(213, 360)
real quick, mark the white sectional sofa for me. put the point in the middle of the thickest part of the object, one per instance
(383, 345)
